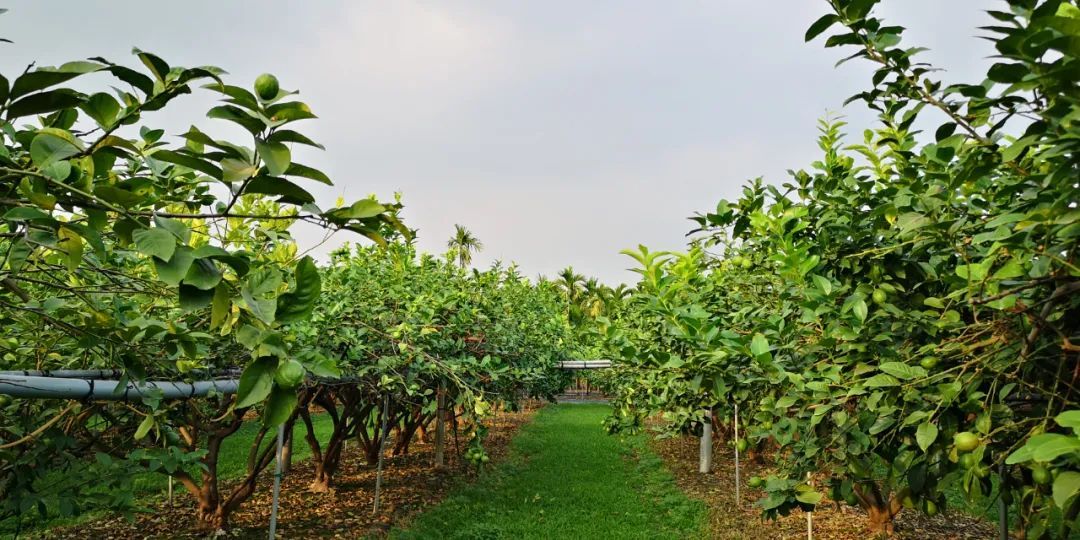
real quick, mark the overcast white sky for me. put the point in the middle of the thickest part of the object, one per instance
(560, 132)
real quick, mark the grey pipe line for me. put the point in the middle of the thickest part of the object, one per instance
(22, 386)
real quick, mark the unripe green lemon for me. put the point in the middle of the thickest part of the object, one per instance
(929, 362)
(266, 86)
(747, 263)
(967, 461)
(755, 482)
(931, 508)
(290, 374)
(741, 445)
(5, 400)
(879, 296)
(966, 441)
(766, 425)
(1040, 474)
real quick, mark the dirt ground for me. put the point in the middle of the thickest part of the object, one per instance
(410, 483)
(830, 522)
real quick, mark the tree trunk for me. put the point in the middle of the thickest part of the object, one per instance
(881, 510)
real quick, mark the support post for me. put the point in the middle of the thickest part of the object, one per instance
(440, 428)
(738, 500)
(1003, 508)
(277, 482)
(809, 516)
(705, 451)
(382, 446)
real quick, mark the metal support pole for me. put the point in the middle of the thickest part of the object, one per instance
(809, 516)
(382, 445)
(738, 500)
(277, 482)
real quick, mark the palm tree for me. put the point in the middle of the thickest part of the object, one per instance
(569, 282)
(463, 245)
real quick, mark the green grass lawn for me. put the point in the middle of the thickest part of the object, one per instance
(150, 488)
(566, 478)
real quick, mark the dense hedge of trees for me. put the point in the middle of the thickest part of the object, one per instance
(159, 257)
(902, 317)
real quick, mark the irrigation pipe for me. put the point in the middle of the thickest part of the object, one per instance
(38, 387)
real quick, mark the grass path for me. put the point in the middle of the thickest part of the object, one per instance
(566, 478)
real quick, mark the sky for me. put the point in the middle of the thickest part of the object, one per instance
(559, 132)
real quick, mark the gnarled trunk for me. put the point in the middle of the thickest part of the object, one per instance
(880, 509)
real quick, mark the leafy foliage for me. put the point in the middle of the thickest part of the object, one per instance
(901, 296)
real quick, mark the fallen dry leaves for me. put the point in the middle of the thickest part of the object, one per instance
(410, 483)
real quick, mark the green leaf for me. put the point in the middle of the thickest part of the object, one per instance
(288, 112)
(808, 497)
(759, 345)
(1069, 419)
(276, 156)
(820, 25)
(44, 102)
(881, 380)
(144, 427)
(158, 67)
(46, 77)
(26, 213)
(189, 161)
(155, 242)
(362, 209)
(193, 298)
(103, 108)
(238, 116)
(912, 221)
(1007, 73)
(320, 365)
(221, 305)
(203, 274)
(258, 291)
(288, 135)
(858, 307)
(925, 435)
(1050, 446)
(235, 170)
(1066, 486)
(289, 192)
(902, 371)
(48, 148)
(174, 226)
(298, 304)
(822, 283)
(279, 407)
(256, 382)
(72, 244)
(1015, 149)
(304, 171)
(172, 271)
